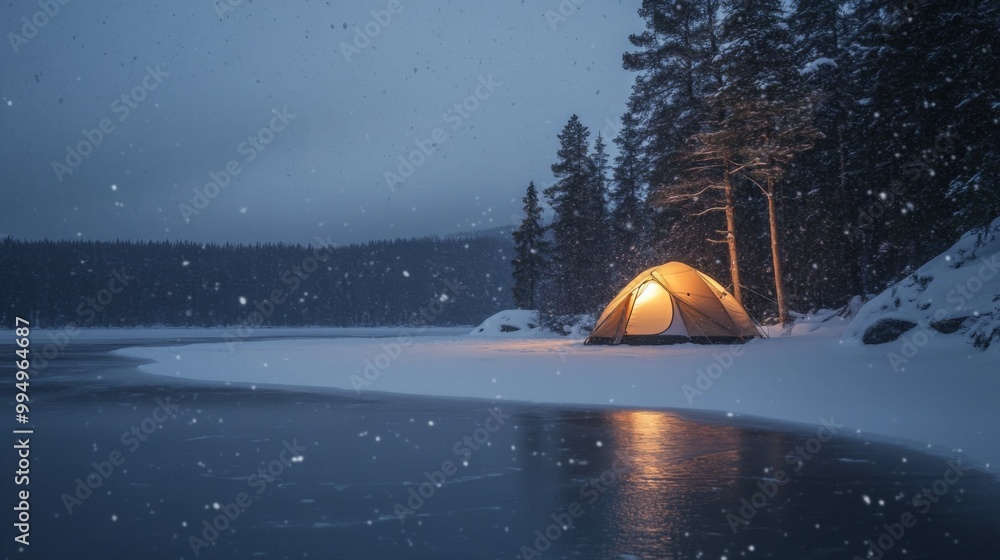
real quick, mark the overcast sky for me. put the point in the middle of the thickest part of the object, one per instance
(330, 114)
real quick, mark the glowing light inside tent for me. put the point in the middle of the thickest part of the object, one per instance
(652, 295)
(647, 296)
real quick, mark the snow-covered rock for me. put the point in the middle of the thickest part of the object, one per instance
(520, 323)
(957, 292)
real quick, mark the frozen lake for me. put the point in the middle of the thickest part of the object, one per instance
(345, 469)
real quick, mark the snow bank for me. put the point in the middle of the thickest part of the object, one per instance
(516, 323)
(956, 292)
(946, 399)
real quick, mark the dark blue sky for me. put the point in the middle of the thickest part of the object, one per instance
(308, 117)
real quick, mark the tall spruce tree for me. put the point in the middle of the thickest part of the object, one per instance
(598, 228)
(575, 288)
(676, 62)
(671, 62)
(530, 248)
(629, 217)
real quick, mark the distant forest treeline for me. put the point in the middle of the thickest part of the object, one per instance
(126, 284)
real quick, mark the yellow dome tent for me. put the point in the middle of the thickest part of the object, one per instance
(673, 303)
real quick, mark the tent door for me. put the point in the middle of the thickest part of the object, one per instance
(623, 317)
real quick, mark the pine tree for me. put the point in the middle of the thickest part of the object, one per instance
(530, 247)
(572, 257)
(768, 117)
(673, 60)
(598, 230)
(629, 217)
(676, 62)
(708, 186)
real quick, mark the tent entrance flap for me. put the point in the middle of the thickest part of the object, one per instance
(612, 327)
(626, 313)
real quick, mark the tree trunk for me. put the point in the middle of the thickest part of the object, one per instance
(734, 267)
(779, 288)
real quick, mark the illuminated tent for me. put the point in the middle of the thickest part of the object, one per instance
(673, 303)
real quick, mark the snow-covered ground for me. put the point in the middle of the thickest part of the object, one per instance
(943, 399)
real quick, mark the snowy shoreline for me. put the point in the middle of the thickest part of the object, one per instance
(805, 378)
